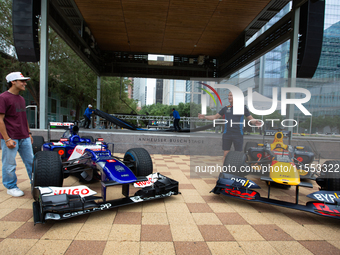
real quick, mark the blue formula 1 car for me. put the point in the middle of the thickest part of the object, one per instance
(74, 155)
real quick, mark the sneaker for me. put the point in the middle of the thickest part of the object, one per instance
(16, 192)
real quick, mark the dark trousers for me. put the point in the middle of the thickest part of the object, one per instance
(176, 124)
(229, 139)
(87, 122)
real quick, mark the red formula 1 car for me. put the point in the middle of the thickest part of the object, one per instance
(282, 165)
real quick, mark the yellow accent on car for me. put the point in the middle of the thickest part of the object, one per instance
(278, 144)
(245, 185)
(302, 172)
(284, 173)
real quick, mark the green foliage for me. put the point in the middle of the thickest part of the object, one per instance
(322, 121)
(156, 110)
(6, 32)
(8, 62)
(68, 75)
(114, 95)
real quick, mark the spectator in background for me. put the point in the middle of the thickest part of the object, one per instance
(87, 116)
(15, 133)
(233, 134)
(177, 118)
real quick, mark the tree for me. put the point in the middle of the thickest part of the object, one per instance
(337, 122)
(68, 75)
(8, 60)
(114, 97)
(156, 110)
(6, 31)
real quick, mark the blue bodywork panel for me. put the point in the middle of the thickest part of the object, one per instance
(112, 169)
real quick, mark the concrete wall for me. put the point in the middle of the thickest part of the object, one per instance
(191, 143)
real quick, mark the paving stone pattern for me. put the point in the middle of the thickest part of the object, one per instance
(194, 222)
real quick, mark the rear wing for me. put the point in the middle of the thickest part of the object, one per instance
(59, 126)
(286, 134)
(273, 132)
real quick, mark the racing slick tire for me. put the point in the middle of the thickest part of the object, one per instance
(88, 137)
(38, 142)
(143, 163)
(249, 145)
(47, 171)
(328, 180)
(234, 161)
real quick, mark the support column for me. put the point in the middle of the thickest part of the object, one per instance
(293, 53)
(262, 69)
(98, 99)
(43, 100)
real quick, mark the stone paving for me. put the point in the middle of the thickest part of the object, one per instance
(194, 222)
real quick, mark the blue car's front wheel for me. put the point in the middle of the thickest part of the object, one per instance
(47, 170)
(139, 161)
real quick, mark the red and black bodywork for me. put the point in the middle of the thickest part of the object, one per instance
(286, 166)
(327, 202)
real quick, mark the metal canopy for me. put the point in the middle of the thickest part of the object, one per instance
(206, 37)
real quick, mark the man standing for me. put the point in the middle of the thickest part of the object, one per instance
(177, 118)
(15, 133)
(233, 131)
(87, 116)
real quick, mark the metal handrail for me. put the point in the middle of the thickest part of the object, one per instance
(35, 114)
(151, 117)
(138, 118)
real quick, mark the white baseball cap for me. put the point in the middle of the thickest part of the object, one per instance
(16, 76)
(90, 105)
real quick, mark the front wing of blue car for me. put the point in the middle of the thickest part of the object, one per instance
(64, 205)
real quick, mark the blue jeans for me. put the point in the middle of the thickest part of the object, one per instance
(24, 147)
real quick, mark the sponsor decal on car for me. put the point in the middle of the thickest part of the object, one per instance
(58, 144)
(325, 196)
(80, 190)
(249, 195)
(152, 178)
(79, 150)
(243, 181)
(119, 168)
(325, 209)
(100, 208)
(60, 124)
(52, 216)
(137, 199)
